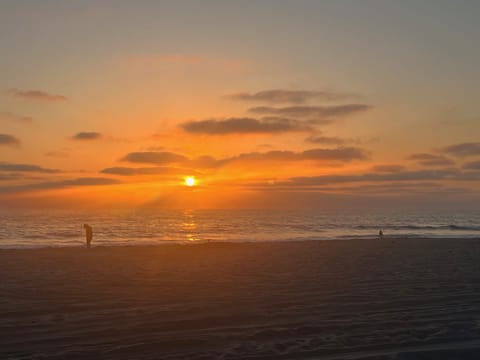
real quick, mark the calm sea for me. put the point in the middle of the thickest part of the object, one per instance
(55, 228)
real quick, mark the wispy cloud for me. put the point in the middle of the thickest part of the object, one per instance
(315, 114)
(341, 154)
(463, 149)
(244, 125)
(5, 115)
(279, 96)
(392, 168)
(9, 140)
(154, 157)
(473, 165)
(326, 140)
(53, 185)
(87, 136)
(5, 166)
(426, 159)
(400, 176)
(36, 95)
(158, 170)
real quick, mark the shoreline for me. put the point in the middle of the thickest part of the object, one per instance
(233, 242)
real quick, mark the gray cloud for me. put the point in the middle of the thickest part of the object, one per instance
(36, 95)
(326, 140)
(463, 150)
(244, 125)
(342, 154)
(278, 96)
(388, 168)
(4, 166)
(87, 135)
(420, 175)
(9, 140)
(154, 157)
(431, 159)
(5, 115)
(51, 185)
(473, 165)
(128, 171)
(316, 114)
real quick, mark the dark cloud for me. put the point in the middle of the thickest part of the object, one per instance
(342, 154)
(388, 168)
(154, 157)
(473, 165)
(9, 140)
(244, 125)
(4, 166)
(463, 150)
(326, 140)
(5, 115)
(278, 96)
(128, 171)
(420, 175)
(316, 114)
(52, 185)
(431, 159)
(87, 136)
(36, 95)
(62, 153)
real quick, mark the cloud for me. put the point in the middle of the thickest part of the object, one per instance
(326, 140)
(278, 96)
(388, 168)
(62, 153)
(431, 159)
(87, 136)
(36, 95)
(316, 114)
(342, 154)
(128, 171)
(463, 150)
(53, 185)
(4, 166)
(419, 175)
(9, 140)
(154, 157)
(244, 125)
(5, 115)
(473, 165)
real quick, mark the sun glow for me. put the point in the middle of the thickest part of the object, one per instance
(190, 181)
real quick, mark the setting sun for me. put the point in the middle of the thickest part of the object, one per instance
(190, 181)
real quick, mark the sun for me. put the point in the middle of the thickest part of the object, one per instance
(190, 181)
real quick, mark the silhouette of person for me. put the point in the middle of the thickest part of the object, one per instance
(380, 234)
(88, 234)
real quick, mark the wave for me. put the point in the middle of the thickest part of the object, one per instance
(419, 227)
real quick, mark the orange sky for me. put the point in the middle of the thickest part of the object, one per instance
(115, 104)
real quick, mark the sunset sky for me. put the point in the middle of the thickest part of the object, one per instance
(268, 103)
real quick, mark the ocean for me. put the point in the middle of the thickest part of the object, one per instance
(65, 228)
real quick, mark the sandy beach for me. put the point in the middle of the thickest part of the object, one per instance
(369, 299)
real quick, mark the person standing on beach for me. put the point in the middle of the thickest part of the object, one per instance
(380, 234)
(88, 234)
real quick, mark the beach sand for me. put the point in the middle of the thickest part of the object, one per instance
(366, 299)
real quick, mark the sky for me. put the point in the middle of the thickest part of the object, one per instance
(267, 103)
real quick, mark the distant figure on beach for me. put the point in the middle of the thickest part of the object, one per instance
(88, 234)
(380, 234)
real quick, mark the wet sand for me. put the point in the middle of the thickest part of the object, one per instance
(366, 299)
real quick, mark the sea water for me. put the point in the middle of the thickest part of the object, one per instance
(65, 228)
